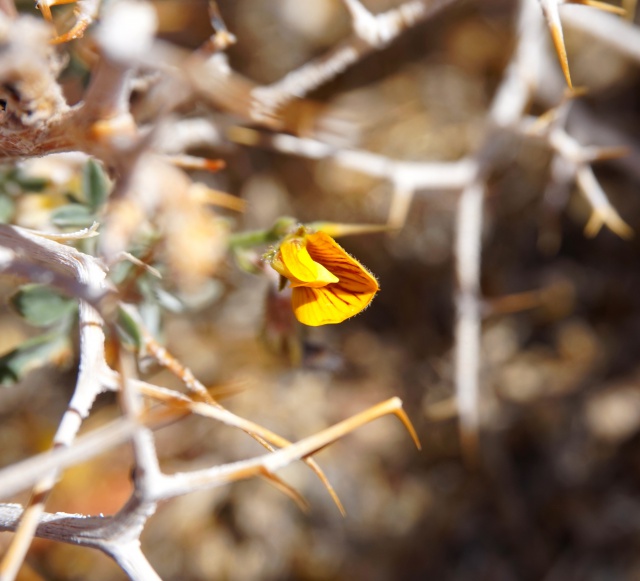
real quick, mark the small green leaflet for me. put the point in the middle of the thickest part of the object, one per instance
(7, 208)
(72, 216)
(129, 329)
(95, 185)
(42, 306)
(52, 347)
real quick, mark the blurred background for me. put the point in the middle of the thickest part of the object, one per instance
(556, 492)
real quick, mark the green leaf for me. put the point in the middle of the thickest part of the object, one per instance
(94, 185)
(120, 271)
(129, 329)
(33, 353)
(72, 216)
(31, 183)
(168, 301)
(7, 208)
(42, 306)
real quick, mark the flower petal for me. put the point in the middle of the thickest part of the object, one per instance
(327, 305)
(328, 285)
(338, 301)
(302, 269)
(353, 277)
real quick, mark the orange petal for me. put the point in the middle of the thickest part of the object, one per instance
(353, 277)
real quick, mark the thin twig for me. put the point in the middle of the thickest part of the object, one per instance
(507, 108)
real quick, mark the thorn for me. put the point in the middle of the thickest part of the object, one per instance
(336, 229)
(207, 195)
(611, 220)
(571, 93)
(289, 490)
(606, 153)
(602, 6)
(404, 418)
(558, 41)
(192, 162)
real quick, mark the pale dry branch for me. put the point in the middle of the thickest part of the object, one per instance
(83, 234)
(119, 535)
(177, 135)
(87, 389)
(613, 31)
(147, 467)
(377, 31)
(86, 273)
(128, 524)
(29, 254)
(507, 111)
(24, 474)
(604, 214)
(180, 483)
(9, 8)
(132, 560)
(280, 106)
(417, 175)
(82, 276)
(520, 82)
(578, 158)
(508, 105)
(469, 316)
(205, 404)
(118, 540)
(572, 164)
(406, 177)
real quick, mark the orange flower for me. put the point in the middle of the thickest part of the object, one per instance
(328, 286)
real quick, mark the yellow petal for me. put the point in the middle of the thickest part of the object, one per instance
(302, 269)
(338, 301)
(327, 305)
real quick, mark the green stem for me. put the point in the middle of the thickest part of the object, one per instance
(261, 237)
